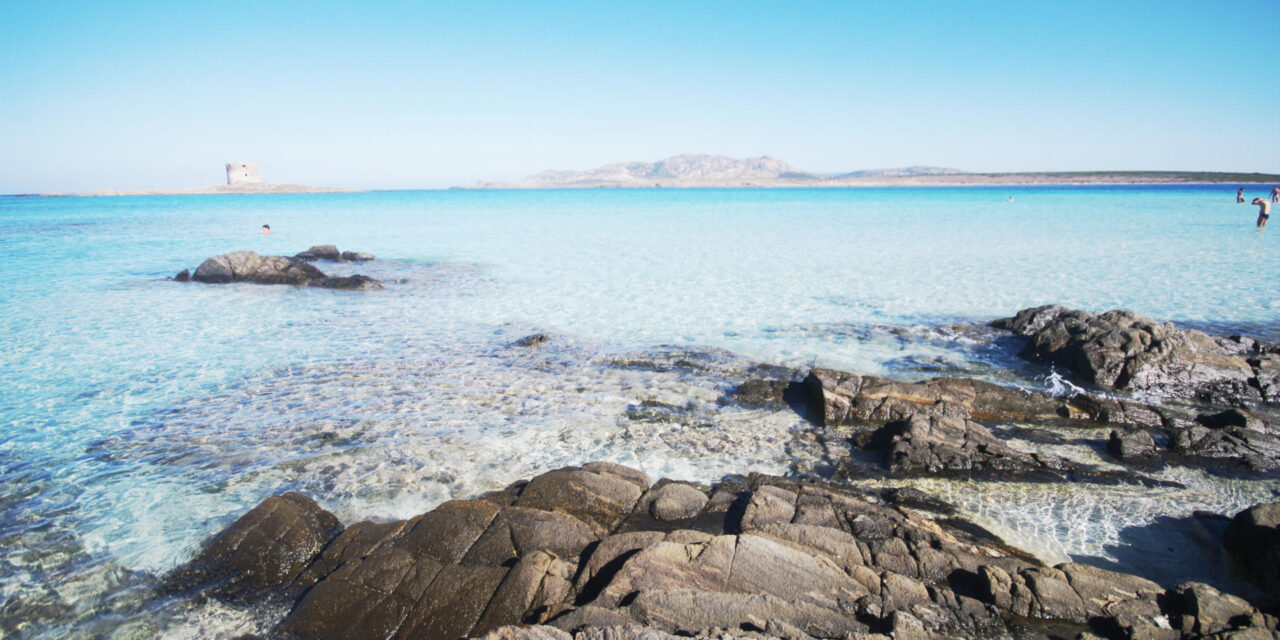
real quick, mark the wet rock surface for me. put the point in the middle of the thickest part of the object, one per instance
(1125, 351)
(575, 553)
(247, 266)
(331, 253)
(944, 445)
(840, 397)
(264, 553)
(1151, 435)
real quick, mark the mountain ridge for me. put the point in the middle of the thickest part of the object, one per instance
(700, 169)
(705, 170)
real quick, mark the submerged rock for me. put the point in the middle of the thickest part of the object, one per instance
(331, 253)
(533, 340)
(247, 266)
(355, 256)
(319, 252)
(839, 397)
(571, 549)
(1129, 352)
(1132, 446)
(943, 445)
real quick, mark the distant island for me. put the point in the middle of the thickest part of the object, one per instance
(702, 170)
(242, 177)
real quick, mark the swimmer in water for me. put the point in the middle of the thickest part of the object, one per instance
(266, 229)
(1264, 211)
(1240, 195)
(1275, 194)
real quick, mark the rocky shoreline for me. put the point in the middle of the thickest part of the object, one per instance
(602, 551)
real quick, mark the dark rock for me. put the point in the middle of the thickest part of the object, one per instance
(945, 445)
(762, 392)
(366, 599)
(1240, 445)
(354, 283)
(534, 340)
(1121, 411)
(320, 252)
(247, 266)
(1032, 320)
(263, 552)
(1206, 610)
(356, 256)
(1253, 539)
(448, 532)
(1266, 371)
(839, 397)
(1131, 446)
(1125, 351)
(934, 444)
(916, 499)
(183, 276)
(1233, 418)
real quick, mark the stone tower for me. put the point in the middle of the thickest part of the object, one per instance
(243, 173)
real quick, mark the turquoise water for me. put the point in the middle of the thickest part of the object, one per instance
(140, 414)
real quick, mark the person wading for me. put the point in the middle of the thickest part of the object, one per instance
(1264, 211)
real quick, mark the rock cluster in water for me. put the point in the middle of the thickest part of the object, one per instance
(248, 266)
(1225, 379)
(1128, 352)
(600, 551)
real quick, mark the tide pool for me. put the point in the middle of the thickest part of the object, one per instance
(141, 415)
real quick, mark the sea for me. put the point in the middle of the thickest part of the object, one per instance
(141, 415)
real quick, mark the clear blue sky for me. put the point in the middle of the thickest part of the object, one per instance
(384, 95)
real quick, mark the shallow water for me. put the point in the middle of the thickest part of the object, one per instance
(141, 415)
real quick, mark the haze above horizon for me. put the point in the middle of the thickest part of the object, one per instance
(400, 95)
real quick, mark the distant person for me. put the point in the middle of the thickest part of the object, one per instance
(1010, 198)
(1264, 211)
(1275, 194)
(1240, 195)
(266, 229)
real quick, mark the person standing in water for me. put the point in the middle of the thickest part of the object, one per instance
(1240, 195)
(1264, 211)
(1275, 194)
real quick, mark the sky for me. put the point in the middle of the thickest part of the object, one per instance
(135, 95)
